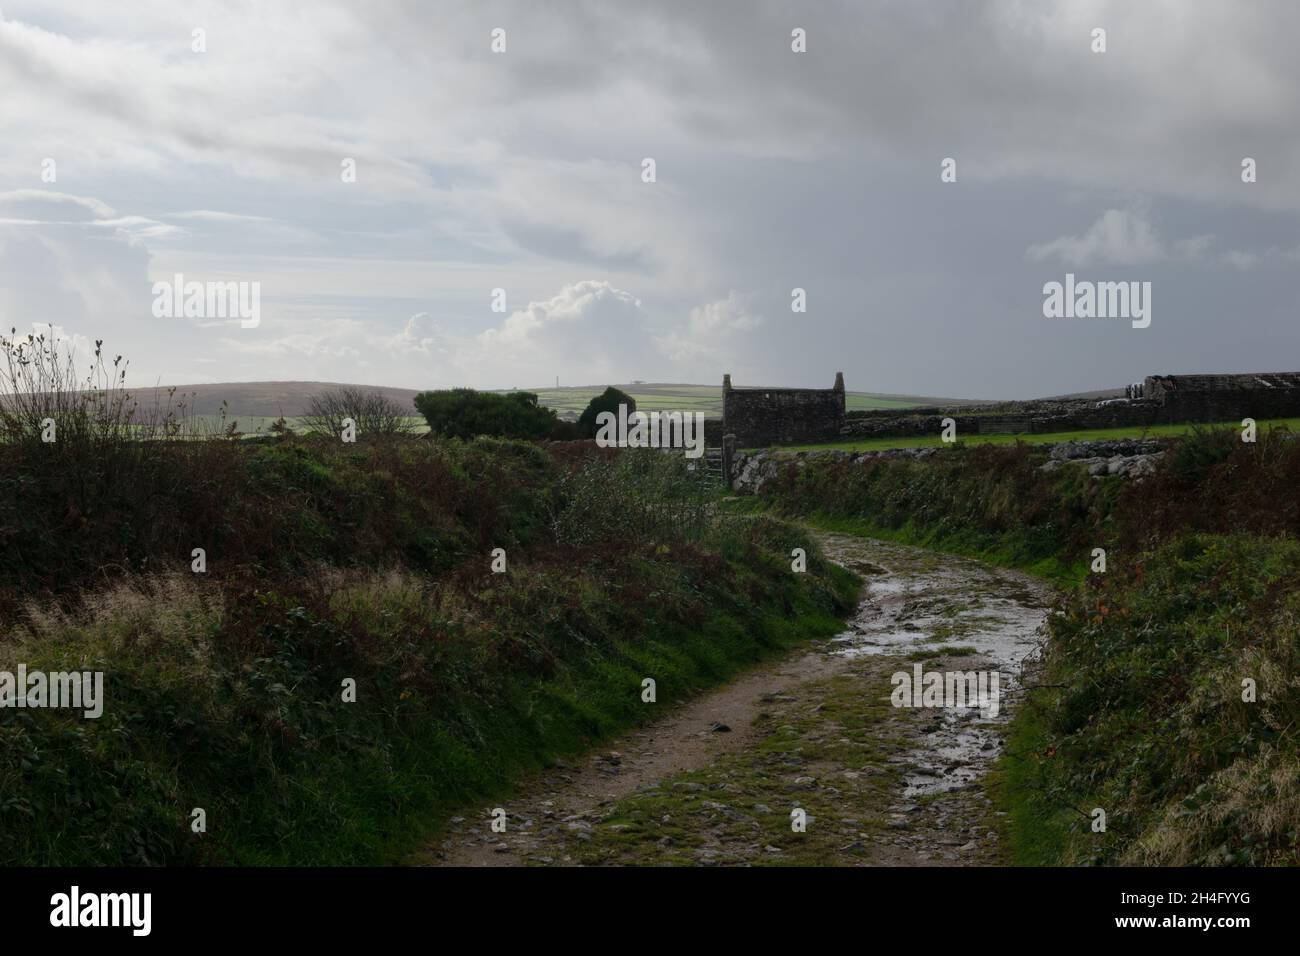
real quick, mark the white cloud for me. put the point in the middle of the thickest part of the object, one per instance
(50, 206)
(522, 171)
(421, 334)
(327, 343)
(1241, 259)
(1194, 247)
(591, 308)
(37, 207)
(590, 331)
(1119, 237)
(711, 331)
(214, 215)
(721, 318)
(139, 228)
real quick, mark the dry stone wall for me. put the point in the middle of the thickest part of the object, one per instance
(1167, 399)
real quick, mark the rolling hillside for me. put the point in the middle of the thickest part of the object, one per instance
(254, 403)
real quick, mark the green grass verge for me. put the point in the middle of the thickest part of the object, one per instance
(1091, 434)
(232, 703)
(1034, 829)
(963, 542)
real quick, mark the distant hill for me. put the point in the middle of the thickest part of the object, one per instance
(1095, 394)
(257, 399)
(269, 400)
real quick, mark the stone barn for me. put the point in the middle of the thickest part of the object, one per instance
(777, 416)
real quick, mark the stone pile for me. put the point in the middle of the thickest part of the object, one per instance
(1121, 458)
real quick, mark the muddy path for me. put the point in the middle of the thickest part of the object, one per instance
(813, 739)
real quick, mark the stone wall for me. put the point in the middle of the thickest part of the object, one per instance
(1119, 458)
(767, 416)
(1222, 398)
(1167, 399)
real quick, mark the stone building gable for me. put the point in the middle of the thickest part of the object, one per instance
(767, 416)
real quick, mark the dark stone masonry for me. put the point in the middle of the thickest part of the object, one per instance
(779, 416)
(1221, 398)
(760, 417)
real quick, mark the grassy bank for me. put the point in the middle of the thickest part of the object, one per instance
(1170, 701)
(989, 502)
(1049, 438)
(1138, 709)
(225, 690)
(1002, 554)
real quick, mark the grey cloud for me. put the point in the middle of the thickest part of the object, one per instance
(775, 169)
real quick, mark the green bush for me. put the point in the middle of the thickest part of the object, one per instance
(286, 505)
(639, 494)
(607, 401)
(466, 413)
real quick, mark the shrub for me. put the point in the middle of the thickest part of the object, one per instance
(607, 401)
(466, 413)
(373, 413)
(640, 493)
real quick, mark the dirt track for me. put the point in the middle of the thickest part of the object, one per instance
(814, 733)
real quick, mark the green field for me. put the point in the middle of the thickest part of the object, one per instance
(256, 406)
(260, 425)
(250, 425)
(667, 398)
(1047, 438)
(694, 398)
(1092, 434)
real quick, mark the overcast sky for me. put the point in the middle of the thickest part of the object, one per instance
(774, 170)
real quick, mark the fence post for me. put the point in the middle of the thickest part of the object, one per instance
(728, 452)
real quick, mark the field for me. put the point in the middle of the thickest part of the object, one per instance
(247, 401)
(1047, 438)
(259, 425)
(256, 405)
(701, 398)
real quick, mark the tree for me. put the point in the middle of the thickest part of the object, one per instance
(466, 413)
(373, 412)
(607, 401)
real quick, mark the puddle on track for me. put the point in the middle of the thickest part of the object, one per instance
(918, 600)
